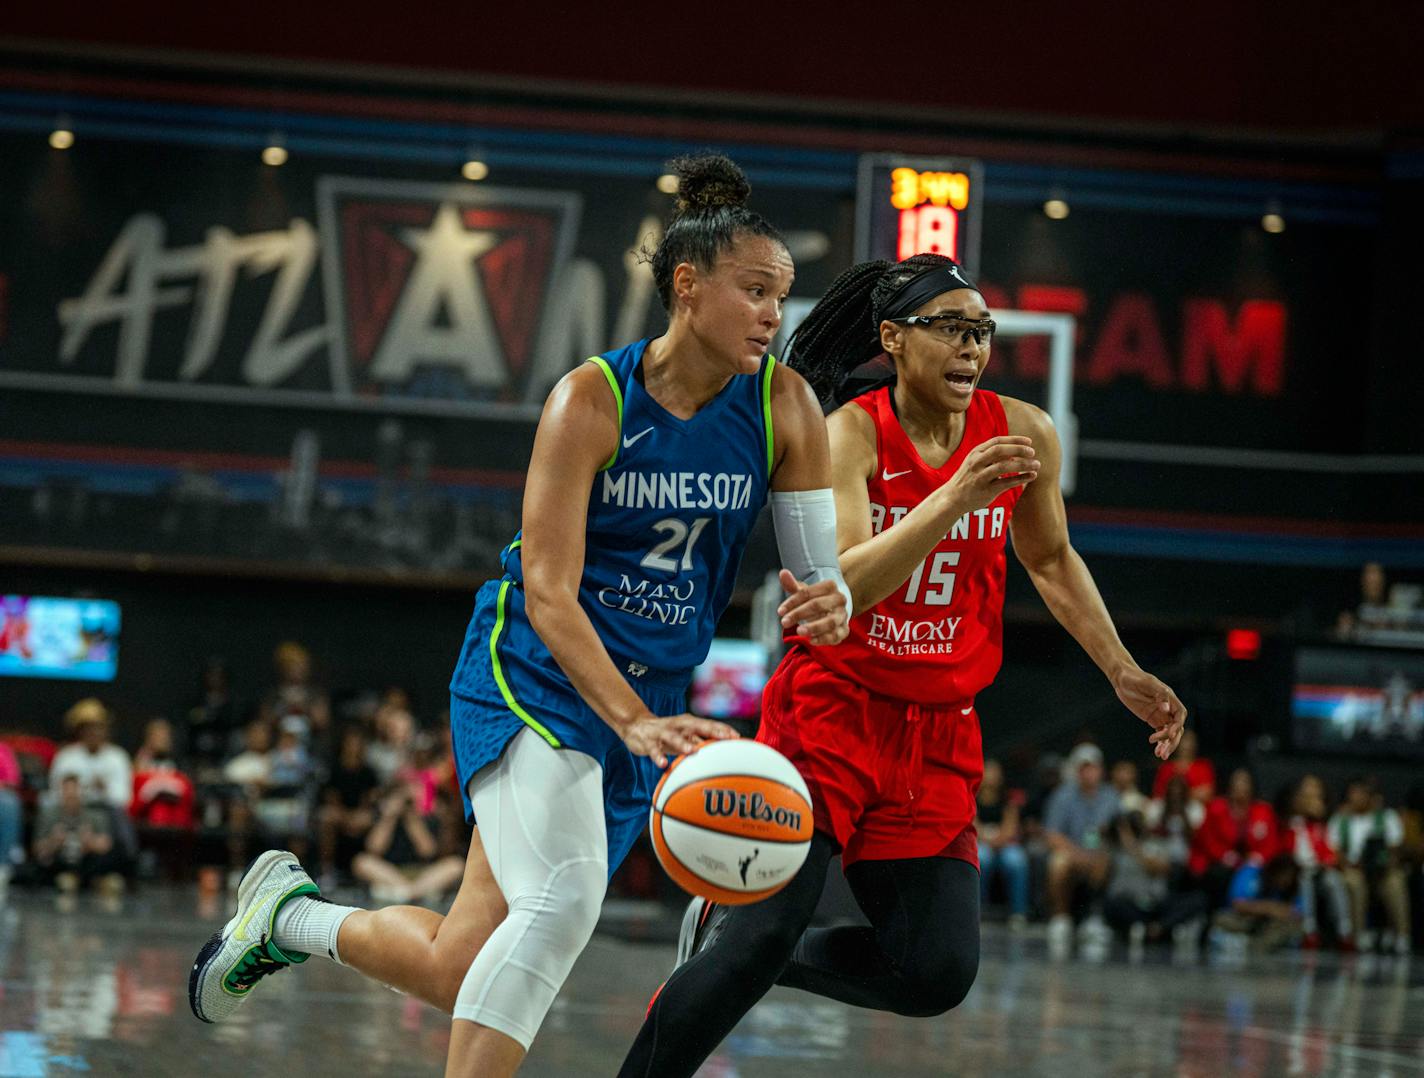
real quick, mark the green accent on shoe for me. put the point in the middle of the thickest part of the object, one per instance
(618, 397)
(256, 962)
(509, 699)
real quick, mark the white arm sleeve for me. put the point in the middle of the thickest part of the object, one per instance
(806, 536)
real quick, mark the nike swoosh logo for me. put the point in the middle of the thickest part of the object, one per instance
(887, 475)
(628, 442)
(966, 710)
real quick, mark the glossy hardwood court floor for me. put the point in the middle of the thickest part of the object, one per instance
(101, 989)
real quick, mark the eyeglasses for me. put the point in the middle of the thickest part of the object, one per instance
(952, 328)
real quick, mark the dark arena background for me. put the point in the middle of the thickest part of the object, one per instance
(283, 289)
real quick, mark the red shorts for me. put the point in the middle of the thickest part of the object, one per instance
(889, 779)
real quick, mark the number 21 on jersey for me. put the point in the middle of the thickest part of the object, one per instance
(663, 556)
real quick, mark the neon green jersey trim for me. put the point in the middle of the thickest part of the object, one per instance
(617, 396)
(504, 689)
(766, 412)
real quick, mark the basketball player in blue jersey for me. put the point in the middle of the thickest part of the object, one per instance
(649, 467)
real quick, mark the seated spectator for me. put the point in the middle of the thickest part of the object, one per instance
(212, 720)
(1368, 839)
(1305, 837)
(35, 754)
(402, 860)
(284, 806)
(104, 772)
(1238, 830)
(11, 814)
(102, 768)
(297, 695)
(1000, 852)
(1124, 781)
(1140, 899)
(391, 749)
(163, 807)
(74, 842)
(347, 804)
(1264, 905)
(1075, 819)
(247, 775)
(1373, 611)
(1175, 820)
(1199, 772)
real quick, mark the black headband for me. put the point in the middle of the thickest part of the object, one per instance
(917, 291)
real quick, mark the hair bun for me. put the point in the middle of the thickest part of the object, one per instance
(708, 180)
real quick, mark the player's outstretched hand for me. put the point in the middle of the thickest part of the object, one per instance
(660, 738)
(991, 468)
(817, 610)
(1153, 701)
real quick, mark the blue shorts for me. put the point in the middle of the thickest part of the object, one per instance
(506, 680)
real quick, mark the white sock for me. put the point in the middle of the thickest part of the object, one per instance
(311, 925)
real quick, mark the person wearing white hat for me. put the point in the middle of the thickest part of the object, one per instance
(102, 768)
(1076, 817)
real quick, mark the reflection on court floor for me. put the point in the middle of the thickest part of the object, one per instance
(100, 989)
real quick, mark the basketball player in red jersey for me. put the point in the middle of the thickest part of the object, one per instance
(932, 474)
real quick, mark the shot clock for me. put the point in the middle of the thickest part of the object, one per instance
(919, 205)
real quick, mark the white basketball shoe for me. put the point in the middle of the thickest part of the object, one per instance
(235, 959)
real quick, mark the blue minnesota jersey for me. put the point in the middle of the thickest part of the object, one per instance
(669, 516)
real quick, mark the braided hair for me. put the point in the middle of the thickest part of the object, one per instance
(842, 332)
(710, 214)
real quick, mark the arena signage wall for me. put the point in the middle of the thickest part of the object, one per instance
(339, 362)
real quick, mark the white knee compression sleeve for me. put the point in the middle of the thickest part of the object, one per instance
(540, 814)
(805, 523)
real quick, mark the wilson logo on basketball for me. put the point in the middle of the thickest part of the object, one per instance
(720, 802)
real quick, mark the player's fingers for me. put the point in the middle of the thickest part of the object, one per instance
(789, 583)
(819, 627)
(810, 609)
(677, 742)
(1009, 466)
(989, 453)
(709, 729)
(799, 613)
(1005, 439)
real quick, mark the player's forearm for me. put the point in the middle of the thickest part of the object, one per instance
(569, 635)
(880, 566)
(1068, 590)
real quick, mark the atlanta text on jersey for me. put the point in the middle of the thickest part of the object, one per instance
(980, 524)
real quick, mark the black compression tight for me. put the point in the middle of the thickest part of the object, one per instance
(919, 956)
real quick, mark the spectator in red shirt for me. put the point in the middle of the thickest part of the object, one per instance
(163, 801)
(1199, 772)
(1238, 830)
(1305, 836)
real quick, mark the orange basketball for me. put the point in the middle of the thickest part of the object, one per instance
(731, 821)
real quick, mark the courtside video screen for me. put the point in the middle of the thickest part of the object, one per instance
(42, 636)
(1364, 701)
(728, 685)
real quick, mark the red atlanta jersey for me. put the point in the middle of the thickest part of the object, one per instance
(938, 638)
